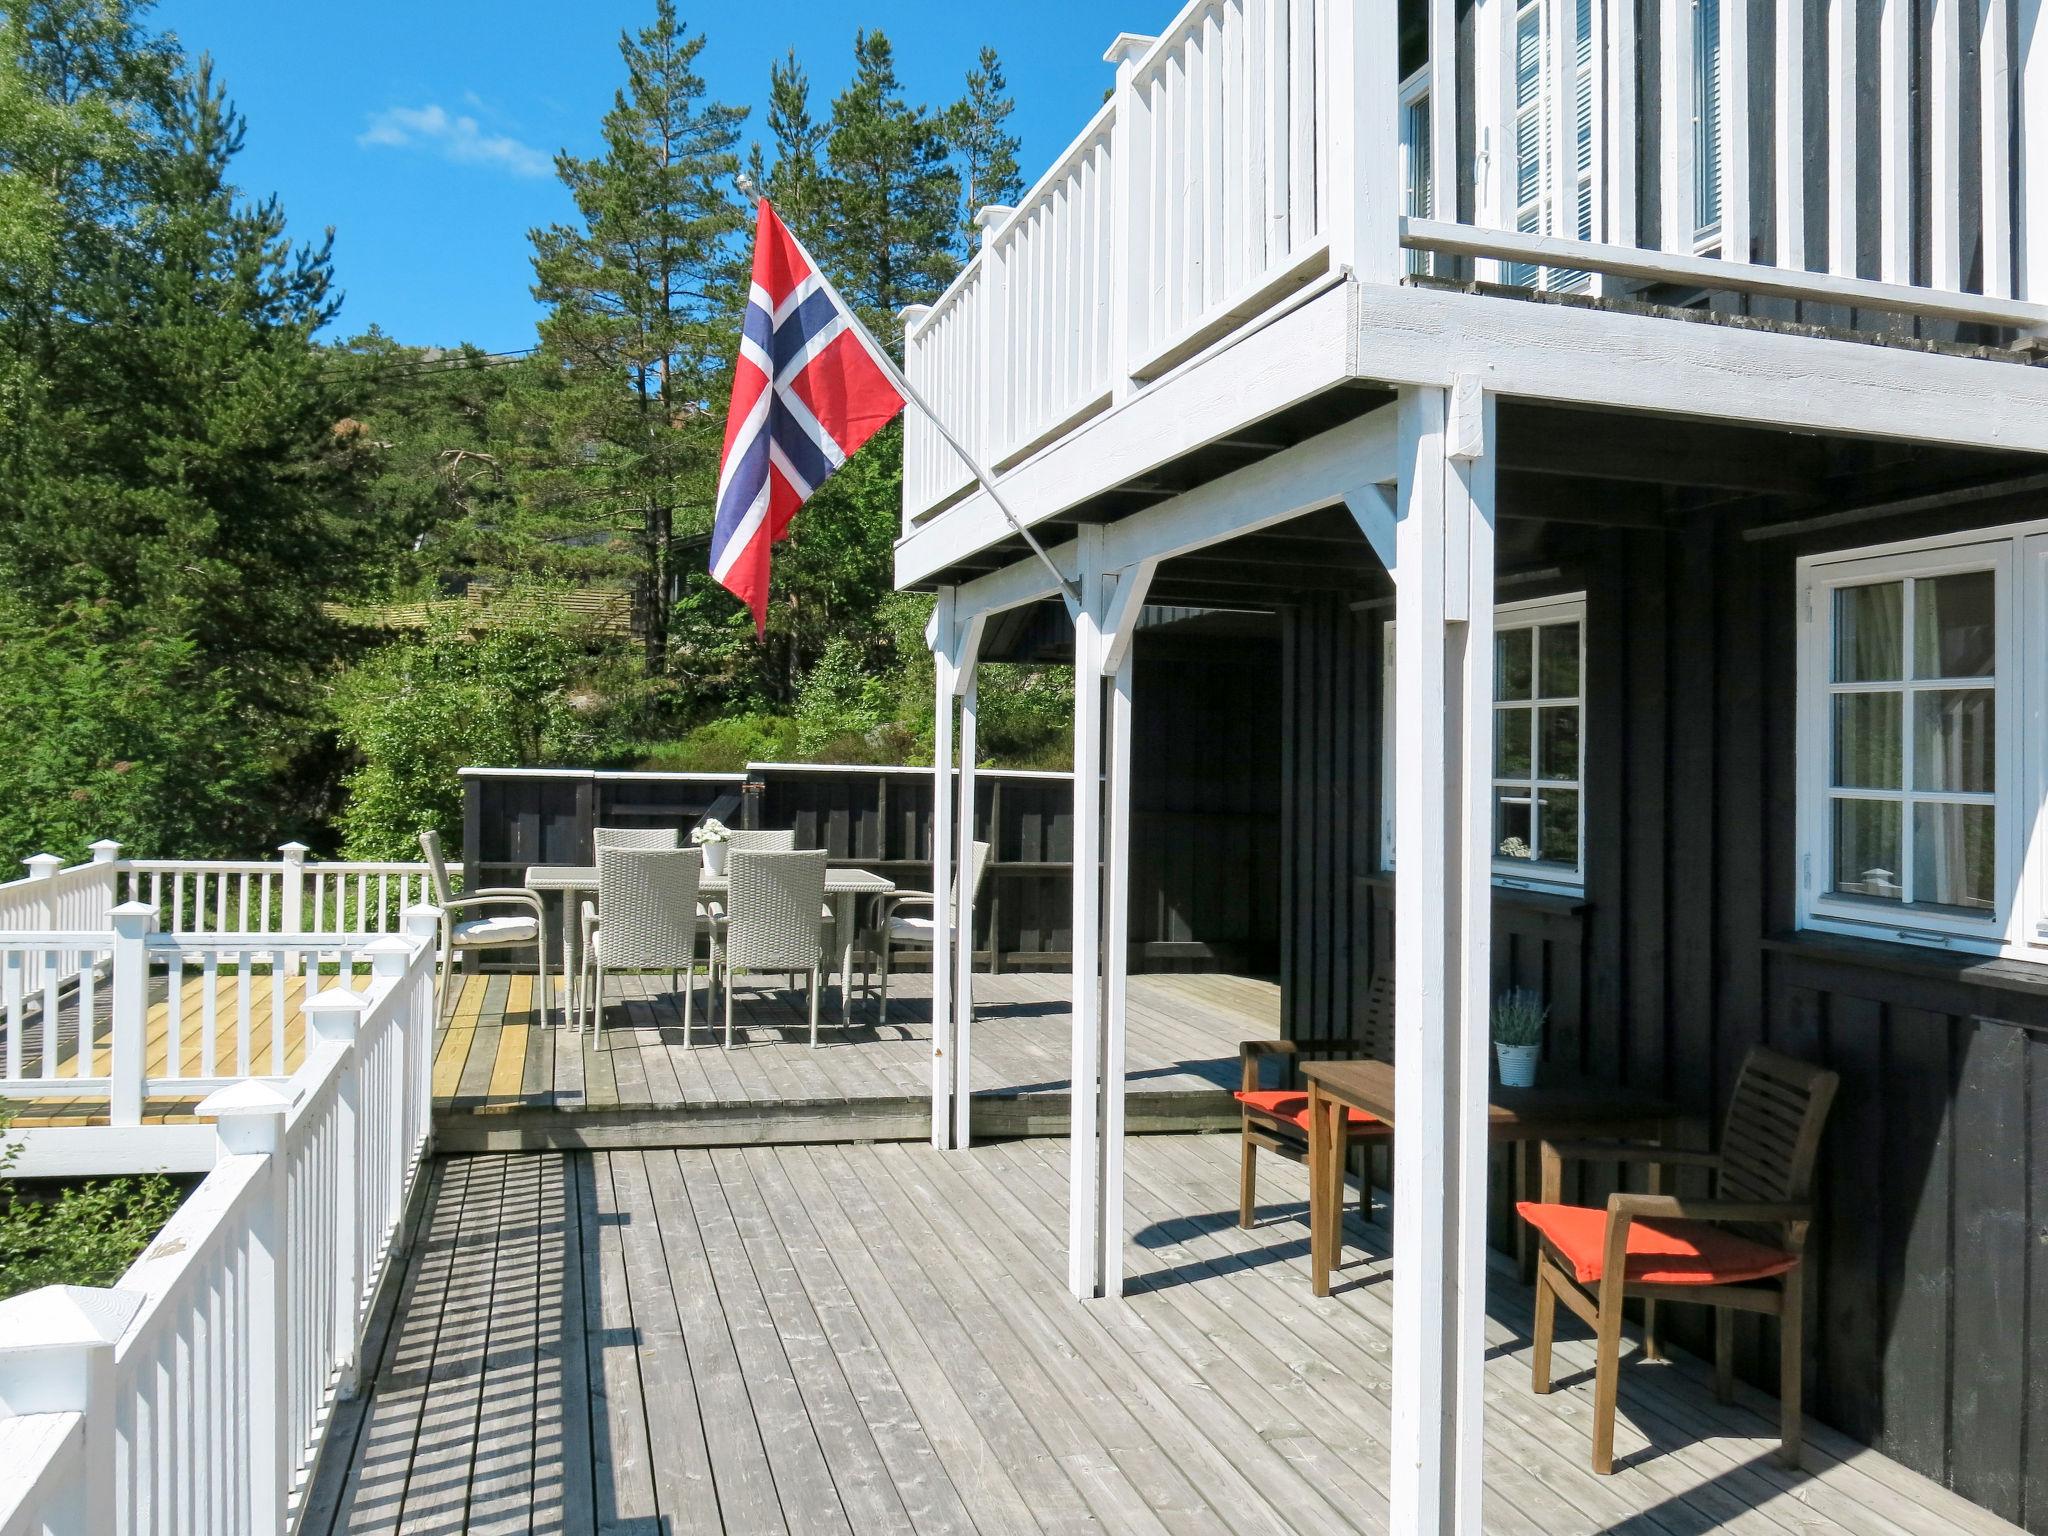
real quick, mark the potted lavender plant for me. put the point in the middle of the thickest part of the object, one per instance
(1518, 1019)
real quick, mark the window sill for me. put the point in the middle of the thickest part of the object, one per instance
(1560, 903)
(1905, 958)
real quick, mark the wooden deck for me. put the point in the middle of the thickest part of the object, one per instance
(502, 1083)
(878, 1339)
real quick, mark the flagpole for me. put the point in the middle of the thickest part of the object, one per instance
(1070, 589)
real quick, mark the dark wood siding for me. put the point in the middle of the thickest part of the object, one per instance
(1930, 1264)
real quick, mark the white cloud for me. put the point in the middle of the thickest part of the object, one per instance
(453, 136)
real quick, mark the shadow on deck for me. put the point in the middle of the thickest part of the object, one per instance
(878, 1338)
(503, 1083)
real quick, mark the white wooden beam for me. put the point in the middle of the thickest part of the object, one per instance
(1735, 219)
(1895, 142)
(1120, 619)
(1788, 123)
(1088, 1199)
(1677, 214)
(944, 632)
(1842, 147)
(1372, 507)
(967, 667)
(2030, 112)
(1618, 152)
(1945, 145)
(1994, 82)
(1362, 182)
(1442, 760)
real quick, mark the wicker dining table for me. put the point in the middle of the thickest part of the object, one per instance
(844, 888)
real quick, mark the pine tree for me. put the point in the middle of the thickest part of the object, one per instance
(987, 148)
(795, 182)
(893, 190)
(643, 298)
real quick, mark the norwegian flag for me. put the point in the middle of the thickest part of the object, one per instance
(808, 390)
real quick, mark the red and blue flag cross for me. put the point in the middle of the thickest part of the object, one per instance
(807, 391)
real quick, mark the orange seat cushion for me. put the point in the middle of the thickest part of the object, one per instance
(1283, 1104)
(1660, 1251)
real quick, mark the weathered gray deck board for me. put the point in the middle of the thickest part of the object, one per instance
(870, 1338)
(643, 1081)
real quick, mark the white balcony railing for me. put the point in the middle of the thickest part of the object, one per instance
(84, 956)
(195, 1394)
(1258, 146)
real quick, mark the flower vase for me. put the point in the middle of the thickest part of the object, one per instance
(714, 857)
(1517, 1064)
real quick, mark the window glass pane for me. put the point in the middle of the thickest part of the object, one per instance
(1513, 837)
(1869, 639)
(1511, 743)
(1511, 674)
(1954, 856)
(1953, 630)
(1559, 758)
(1866, 849)
(1706, 55)
(1557, 672)
(1954, 736)
(1559, 827)
(1868, 741)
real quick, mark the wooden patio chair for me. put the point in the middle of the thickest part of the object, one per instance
(1276, 1120)
(1739, 1251)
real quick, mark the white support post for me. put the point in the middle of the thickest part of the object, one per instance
(1678, 214)
(1125, 604)
(57, 1356)
(1130, 157)
(133, 922)
(1086, 1260)
(1894, 142)
(942, 642)
(965, 674)
(250, 1119)
(292, 898)
(1842, 145)
(1443, 666)
(1735, 220)
(1994, 115)
(1618, 152)
(1788, 124)
(42, 868)
(1493, 77)
(334, 1024)
(1363, 179)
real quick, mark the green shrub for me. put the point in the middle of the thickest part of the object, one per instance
(78, 1234)
(723, 746)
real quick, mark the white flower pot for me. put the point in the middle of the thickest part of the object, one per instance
(1517, 1064)
(714, 857)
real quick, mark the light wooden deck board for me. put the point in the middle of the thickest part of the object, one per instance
(867, 1338)
(504, 1082)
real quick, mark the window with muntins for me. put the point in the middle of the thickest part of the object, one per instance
(1706, 122)
(1539, 709)
(1553, 64)
(1416, 200)
(1915, 785)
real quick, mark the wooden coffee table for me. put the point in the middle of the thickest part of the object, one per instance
(1562, 1111)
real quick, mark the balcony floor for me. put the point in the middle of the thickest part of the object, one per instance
(501, 1083)
(863, 1338)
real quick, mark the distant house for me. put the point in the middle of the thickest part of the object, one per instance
(1665, 378)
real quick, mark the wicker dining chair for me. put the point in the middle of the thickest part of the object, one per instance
(772, 922)
(647, 920)
(760, 840)
(507, 931)
(916, 928)
(604, 839)
(1743, 1250)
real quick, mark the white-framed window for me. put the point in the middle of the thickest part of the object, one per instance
(1416, 199)
(1915, 792)
(1554, 85)
(1539, 717)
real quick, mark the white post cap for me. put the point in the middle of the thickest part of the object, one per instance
(1128, 47)
(46, 1337)
(43, 865)
(105, 850)
(389, 954)
(336, 1013)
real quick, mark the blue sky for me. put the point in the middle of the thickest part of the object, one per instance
(424, 132)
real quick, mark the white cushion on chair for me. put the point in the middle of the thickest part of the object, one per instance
(906, 929)
(481, 931)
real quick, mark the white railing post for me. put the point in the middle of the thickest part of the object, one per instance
(42, 868)
(334, 1022)
(57, 1356)
(292, 895)
(422, 926)
(127, 1073)
(1130, 147)
(107, 852)
(1363, 148)
(917, 432)
(985, 434)
(389, 958)
(250, 1117)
